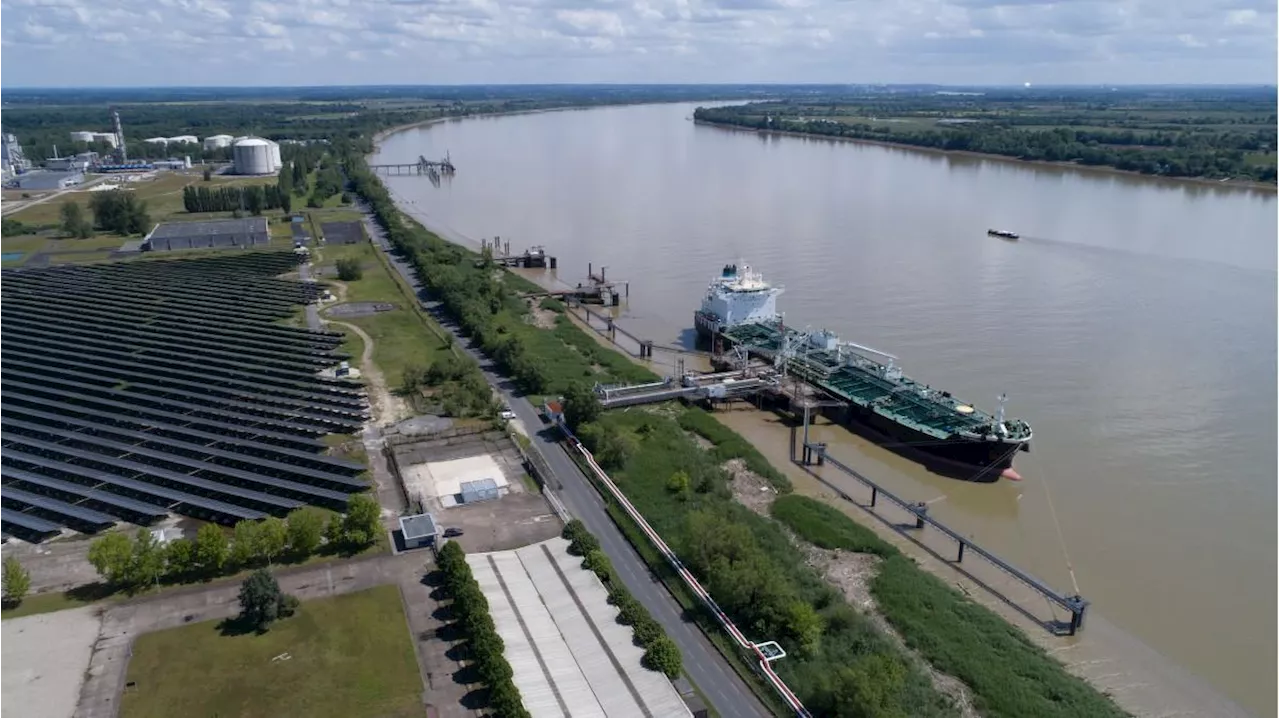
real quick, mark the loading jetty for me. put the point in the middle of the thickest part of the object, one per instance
(423, 166)
(533, 258)
(597, 290)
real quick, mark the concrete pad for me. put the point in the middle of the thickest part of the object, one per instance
(45, 658)
(445, 478)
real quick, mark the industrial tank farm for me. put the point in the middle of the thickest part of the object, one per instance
(256, 156)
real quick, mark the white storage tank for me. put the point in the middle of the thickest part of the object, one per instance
(214, 142)
(184, 140)
(161, 141)
(108, 137)
(82, 137)
(253, 157)
(275, 156)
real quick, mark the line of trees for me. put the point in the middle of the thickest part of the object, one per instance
(134, 563)
(252, 198)
(120, 212)
(1169, 154)
(660, 653)
(471, 614)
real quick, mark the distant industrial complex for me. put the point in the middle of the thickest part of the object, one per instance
(250, 155)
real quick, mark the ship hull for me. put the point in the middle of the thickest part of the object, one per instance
(957, 458)
(977, 460)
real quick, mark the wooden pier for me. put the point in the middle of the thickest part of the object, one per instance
(423, 166)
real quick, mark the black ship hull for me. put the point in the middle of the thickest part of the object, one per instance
(966, 460)
(982, 461)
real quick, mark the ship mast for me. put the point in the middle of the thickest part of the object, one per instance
(1000, 427)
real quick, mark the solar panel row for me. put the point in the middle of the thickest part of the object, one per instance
(139, 388)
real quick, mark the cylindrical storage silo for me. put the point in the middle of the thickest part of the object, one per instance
(252, 157)
(276, 164)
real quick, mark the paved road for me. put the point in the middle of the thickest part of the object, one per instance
(728, 695)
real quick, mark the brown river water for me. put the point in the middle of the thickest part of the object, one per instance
(1133, 326)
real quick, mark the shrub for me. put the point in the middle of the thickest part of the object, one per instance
(349, 270)
(825, 526)
(663, 656)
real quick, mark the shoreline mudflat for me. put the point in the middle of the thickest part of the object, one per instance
(1101, 169)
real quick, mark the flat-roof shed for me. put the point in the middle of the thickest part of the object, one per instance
(209, 235)
(419, 531)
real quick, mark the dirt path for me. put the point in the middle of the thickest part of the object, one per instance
(387, 407)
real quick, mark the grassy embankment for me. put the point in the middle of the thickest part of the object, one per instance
(348, 655)
(1009, 676)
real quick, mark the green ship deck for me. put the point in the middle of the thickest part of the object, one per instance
(869, 384)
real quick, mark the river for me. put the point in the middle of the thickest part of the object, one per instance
(1133, 326)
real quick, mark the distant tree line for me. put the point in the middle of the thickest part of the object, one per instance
(252, 198)
(1175, 152)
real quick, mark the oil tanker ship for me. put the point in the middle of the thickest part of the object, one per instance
(911, 418)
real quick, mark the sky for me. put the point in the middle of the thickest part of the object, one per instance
(92, 43)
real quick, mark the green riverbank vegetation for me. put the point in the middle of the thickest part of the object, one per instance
(840, 662)
(1209, 133)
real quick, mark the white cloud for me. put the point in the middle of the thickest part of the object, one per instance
(71, 42)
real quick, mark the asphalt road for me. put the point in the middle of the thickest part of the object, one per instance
(728, 695)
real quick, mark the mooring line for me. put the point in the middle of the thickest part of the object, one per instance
(1057, 525)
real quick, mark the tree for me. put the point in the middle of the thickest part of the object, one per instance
(17, 582)
(148, 559)
(211, 550)
(580, 405)
(120, 211)
(272, 538)
(349, 270)
(74, 222)
(804, 624)
(363, 522)
(245, 546)
(662, 655)
(180, 558)
(262, 601)
(208, 173)
(286, 202)
(305, 531)
(678, 484)
(111, 556)
(285, 180)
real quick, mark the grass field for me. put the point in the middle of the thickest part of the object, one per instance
(401, 337)
(350, 656)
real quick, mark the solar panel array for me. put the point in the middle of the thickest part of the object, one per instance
(342, 232)
(131, 390)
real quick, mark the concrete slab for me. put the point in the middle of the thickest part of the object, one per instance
(45, 658)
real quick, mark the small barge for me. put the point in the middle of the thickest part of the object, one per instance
(1003, 234)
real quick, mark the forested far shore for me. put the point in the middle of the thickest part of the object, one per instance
(1190, 134)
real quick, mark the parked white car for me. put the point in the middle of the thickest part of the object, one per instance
(508, 415)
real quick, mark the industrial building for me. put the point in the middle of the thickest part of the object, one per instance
(79, 163)
(256, 156)
(419, 531)
(173, 164)
(226, 233)
(215, 142)
(43, 181)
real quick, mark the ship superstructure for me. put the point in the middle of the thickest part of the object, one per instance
(738, 296)
(900, 411)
